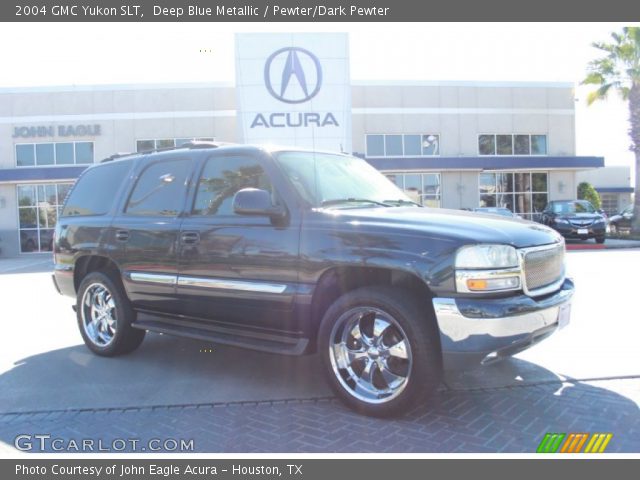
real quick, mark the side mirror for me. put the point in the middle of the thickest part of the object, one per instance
(253, 201)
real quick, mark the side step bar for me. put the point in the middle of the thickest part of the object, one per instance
(265, 343)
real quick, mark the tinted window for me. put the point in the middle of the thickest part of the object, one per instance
(84, 152)
(487, 144)
(412, 145)
(393, 145)
(44, 153)
(94, 192)
(25, 155)
(221, 178)
(504, 144)
(538, 144)
(375, 145)
(160, 189)
(64, 153)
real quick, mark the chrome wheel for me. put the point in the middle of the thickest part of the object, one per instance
(370, 355)
(98, 313)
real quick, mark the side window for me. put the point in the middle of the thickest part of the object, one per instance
(221, 178)
(160, 190)
(94, 193)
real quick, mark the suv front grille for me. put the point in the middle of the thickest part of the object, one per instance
(543, 267)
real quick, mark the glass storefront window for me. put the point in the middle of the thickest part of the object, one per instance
(431, 144)
(538, 144)
(508, 144)
(487, 144)
(412, 145)
(393, 145)
(421, 187)
(44, 154)
(401, 145)
(38, 209)
(521, 145)
(524, 193)
(49, 154)
(25, 155)
(504, 144)
(64, 153)
(84, 153)
(145, 145)
(159, 143)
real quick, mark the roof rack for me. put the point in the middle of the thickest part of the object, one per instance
(194, 144)
(115, 156)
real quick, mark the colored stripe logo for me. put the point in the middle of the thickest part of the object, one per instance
(574, 443)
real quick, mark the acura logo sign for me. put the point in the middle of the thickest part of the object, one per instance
(293, 75)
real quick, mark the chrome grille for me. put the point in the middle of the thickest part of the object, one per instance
(543, 267)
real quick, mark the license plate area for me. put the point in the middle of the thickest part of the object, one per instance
(583, 231)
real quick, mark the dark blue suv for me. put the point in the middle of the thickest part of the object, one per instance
(292, 252)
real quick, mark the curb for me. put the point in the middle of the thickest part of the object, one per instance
(604, 246)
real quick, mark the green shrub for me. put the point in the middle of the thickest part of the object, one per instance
(587, 192)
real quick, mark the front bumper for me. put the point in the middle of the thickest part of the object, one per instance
(484, 330)
(571, 231)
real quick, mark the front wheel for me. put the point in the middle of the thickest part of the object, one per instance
(105, 316)
(380, 351)
(600, 239)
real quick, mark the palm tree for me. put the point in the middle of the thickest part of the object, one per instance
(619, 70)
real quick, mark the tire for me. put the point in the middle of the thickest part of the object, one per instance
(377, 380)
(600, 240)
(105, 315)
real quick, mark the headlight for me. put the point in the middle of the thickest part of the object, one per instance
(487, 256)
(487, 268)
(561, 220)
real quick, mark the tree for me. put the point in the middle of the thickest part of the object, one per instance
(587, 192)
(619, 70)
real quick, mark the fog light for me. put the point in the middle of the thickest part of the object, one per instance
(490, 284)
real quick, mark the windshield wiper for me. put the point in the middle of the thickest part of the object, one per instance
(338, 201)
(401, 201)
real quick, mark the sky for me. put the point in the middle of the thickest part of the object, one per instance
(105, 53)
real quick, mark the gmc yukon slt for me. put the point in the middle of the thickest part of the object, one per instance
(294, 252)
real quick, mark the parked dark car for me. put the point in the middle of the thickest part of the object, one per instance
(621, 223)
(292, 252)
(575, 219)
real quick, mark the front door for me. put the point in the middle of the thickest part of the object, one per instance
(236, 269)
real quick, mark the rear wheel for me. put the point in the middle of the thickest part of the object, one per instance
(105, 316)
(380, 351)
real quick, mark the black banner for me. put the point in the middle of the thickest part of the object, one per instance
(314, 11)
(316, 469)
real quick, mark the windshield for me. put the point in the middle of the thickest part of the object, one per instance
(573, 207)
(324, 179)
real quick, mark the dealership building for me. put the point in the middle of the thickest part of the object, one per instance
(447, 144)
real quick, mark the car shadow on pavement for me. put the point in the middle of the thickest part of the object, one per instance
(233, 400)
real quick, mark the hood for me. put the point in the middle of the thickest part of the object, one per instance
(452, 224)
(580, 216)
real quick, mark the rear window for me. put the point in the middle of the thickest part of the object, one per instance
(95, 191)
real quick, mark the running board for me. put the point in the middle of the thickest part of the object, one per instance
(264, 343)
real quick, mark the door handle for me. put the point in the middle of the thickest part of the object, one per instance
(190, 238)
(122, 235)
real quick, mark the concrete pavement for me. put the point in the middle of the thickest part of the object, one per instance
(49, 380)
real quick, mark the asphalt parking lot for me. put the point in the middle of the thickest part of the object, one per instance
(585, 378)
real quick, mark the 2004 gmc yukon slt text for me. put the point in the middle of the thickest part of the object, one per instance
(292, 252)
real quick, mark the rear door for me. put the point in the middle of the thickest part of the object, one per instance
(147, 230)
(237, 269)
